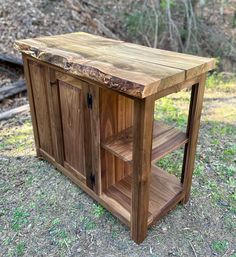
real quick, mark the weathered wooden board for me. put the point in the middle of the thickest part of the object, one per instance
(133, 69)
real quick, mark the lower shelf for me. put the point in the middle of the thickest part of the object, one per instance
(165, 192)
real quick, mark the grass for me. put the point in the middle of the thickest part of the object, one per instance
(43, 214)
(98, 211)
(219, 246)
(217, 81)
(19, 219)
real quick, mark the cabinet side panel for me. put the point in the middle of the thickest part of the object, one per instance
(37, 73)
(116, 114)
(31, 102)
(71, 100)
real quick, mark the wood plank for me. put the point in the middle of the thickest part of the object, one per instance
(12, 89)
(12, 112)
(194, 117)
(178, 87)
(165, 192)
(193, 64)
(116, 112)
(134, 70)
(38, 82)
(11, 59)
(129, 77)
(165, 140)
(71, 102)
(31, 103)
(142, 149)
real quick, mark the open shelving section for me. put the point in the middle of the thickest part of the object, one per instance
(165, 189)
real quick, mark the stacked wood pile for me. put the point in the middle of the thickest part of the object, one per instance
(13, 86)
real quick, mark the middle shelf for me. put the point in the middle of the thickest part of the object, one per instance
(165, 140)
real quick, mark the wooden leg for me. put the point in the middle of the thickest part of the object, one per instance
(192, 133)
(142, 149)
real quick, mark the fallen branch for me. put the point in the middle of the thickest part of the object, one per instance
(11, 59)
(11, 113)
(13, 89)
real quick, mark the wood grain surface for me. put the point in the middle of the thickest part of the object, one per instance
(132, 69)
(40, 99)
(71, 102)
(116, 114)
(165, 189)
(165, 140)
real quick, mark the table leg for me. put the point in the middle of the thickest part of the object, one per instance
(195, 109)
(142, 149)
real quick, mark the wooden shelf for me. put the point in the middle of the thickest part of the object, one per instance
(165, 192)
(165, 140)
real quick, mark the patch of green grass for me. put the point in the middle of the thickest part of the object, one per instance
(230, 152)
(230, 223)
(219, 246)
(215, 141)
(231, 182)
(55, 222)
(20, 138)
(87, 223)
(20, 249)
(230, 171)
(199, 169)
(219, 130)
(98, 211)
(167, 110)
(172, 162)
(58, 234)
(19, 219)
(217, 81)
(214, 190)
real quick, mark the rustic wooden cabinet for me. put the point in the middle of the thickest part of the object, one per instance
(92, 104)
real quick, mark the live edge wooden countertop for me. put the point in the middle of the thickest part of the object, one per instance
(135, 70)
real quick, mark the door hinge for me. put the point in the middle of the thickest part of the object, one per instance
(53, 83)
(90, 101)
(92, 179)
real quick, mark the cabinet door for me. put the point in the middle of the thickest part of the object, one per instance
(71, 102)
(40, 107)
(75, 126)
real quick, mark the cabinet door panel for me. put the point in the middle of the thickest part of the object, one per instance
(71, 101)
(38, 82)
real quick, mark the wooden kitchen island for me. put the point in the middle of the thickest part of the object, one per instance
(92, 105)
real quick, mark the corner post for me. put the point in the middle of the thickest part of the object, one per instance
(142, 150)
(194, 116)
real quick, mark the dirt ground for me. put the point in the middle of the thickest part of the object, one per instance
(42, 213)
